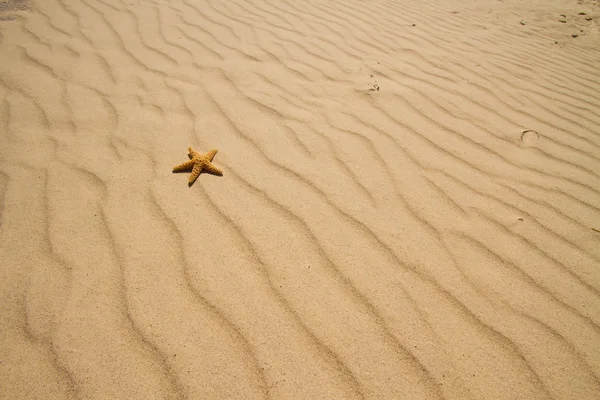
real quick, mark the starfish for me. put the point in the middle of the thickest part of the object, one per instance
(197, 164)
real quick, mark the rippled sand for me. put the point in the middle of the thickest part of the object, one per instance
(409, 206)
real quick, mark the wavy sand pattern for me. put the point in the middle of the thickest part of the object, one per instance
(409, 209)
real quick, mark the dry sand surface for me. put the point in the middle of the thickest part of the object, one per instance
(409, 206)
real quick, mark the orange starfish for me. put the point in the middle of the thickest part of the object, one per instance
(197, 164)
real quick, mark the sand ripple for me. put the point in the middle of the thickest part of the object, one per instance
(410, 204)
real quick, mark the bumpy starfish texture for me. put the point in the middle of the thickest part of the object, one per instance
(197, 164)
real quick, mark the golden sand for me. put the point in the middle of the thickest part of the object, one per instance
(410, 210)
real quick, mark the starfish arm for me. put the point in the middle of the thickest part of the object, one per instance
(184, 166)
(195, 172)
(193, 153)
(211, 168)
(211, 154)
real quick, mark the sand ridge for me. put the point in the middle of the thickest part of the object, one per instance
(409, 206)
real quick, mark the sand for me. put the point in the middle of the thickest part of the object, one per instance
(409, 206)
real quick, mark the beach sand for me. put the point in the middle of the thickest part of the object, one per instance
(409, 206)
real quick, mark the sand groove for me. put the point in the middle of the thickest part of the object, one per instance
(409, 208)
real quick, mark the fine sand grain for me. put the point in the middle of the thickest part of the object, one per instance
(409, 206)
